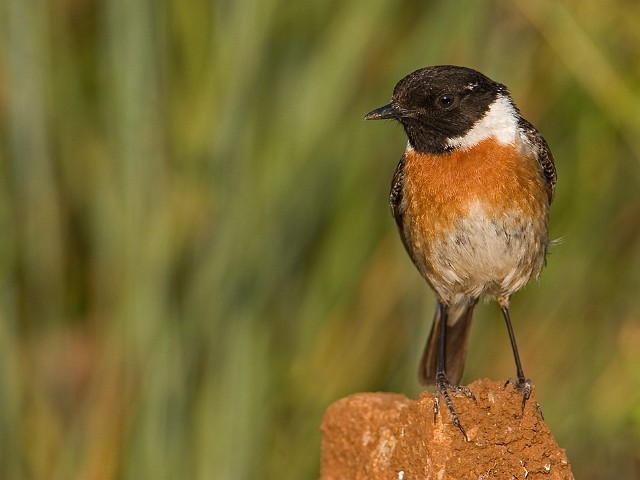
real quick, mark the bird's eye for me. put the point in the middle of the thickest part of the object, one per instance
(446, 100)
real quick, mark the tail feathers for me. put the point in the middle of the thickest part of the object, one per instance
(458, 326)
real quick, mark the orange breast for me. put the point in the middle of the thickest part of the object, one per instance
(475, 221)
(439, 188)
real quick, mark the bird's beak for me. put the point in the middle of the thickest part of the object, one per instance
(387, 111)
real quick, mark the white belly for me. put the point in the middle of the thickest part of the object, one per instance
(482, 255)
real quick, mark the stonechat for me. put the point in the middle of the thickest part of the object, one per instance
(471, 199)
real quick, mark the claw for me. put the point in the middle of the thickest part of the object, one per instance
(443, 387)
(523, 385)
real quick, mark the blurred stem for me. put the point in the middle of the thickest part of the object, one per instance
(592, 68)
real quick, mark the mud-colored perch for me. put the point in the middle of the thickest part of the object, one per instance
(387, 436)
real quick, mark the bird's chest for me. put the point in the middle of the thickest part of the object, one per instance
(475, 219)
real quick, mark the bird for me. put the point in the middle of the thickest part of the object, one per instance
(470, 197)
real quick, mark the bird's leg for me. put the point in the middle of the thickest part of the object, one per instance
(443, 385)
(522, 384)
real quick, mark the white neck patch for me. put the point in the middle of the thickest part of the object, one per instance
(500, 121)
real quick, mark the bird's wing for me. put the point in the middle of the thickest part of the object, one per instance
(398, 205)
(543, 155)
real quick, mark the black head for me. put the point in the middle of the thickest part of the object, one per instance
(439, 103)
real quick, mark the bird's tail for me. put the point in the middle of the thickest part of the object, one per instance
(458, 326)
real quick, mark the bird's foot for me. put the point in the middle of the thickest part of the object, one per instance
(445, 389)
(523, 385)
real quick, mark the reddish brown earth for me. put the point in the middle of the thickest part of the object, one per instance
(387, 436)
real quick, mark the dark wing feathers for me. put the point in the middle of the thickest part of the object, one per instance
(397, 204)
(395, 196)
(543, 154)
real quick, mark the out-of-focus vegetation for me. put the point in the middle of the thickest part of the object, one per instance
(196, 253)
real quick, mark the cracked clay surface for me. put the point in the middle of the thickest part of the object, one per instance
(388, 436)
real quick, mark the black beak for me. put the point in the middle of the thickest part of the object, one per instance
(385, 112)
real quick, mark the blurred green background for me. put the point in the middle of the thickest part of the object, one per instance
(196, 252)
